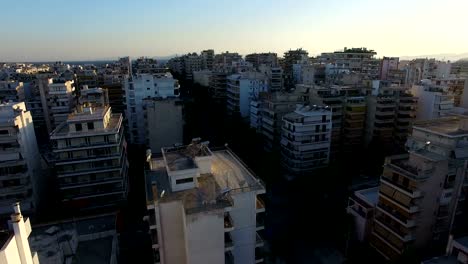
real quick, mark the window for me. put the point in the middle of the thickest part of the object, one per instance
(78, 127)
(3, 132)
(90, 125)
(181, 181)
(324, 118)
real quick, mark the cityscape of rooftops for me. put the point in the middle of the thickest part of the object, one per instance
(211, 132)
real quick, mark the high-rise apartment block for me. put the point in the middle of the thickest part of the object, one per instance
(203, 207)
(11, 91)
(241, 89)
(207, 59)
(21, 177)
(257, 59)
(292, 57)
(90, 158)
(58, 100)
(391, 109)
(306, 137)
(138, 88)
(359, 60)
(434, 101)
(422, 193)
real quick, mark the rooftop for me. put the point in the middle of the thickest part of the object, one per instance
(453, 126)
(55, 240)
(228, 175)
(369, 196)
(182, 157)
(88, 114)
(113, 126)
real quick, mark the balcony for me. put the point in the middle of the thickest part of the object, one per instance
(259, 241)
(408, 223)
(401, 188)
(228, 223)
(398, 233)
(259, 205)
(260, 222)
(154, 238)
(228, 243)
(410, 208)
(402, 167)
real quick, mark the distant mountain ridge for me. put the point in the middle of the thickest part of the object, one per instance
(443, 56)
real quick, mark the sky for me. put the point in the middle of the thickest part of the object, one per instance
(50, 30)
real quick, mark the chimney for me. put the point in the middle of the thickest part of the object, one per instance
(21, 235)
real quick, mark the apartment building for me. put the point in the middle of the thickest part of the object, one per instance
(93, 97)
(257, 59)
(227, 58)
(192, 62)
(420, 69)
(21, 177)
(164, 122)
(241, 88)
(14, 244)
(391, 109)
(306, 139)
(455, 87)
(348, 106)
(434, 101)
(144, 65)
(387, 65)
(274, 75)
(218, 85)
(145, 86)
(90, 159)
(422, 193)
(292, 57)
(207, 59)
(203, 206)
(269, 115)
(360, 60)
(58, 100)
(11, 91)
(361, 206)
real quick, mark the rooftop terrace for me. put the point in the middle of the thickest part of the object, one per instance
(453, 126)
(228, 175)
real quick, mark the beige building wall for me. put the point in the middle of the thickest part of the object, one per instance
(174, 247)
(205, 237)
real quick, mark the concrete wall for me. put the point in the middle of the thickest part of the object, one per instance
(165, 124)
(243, 215)
(205, 237)
(174, 243)
(9, 254)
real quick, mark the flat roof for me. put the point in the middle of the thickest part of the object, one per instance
(370, 195)
(182, 157)
(447, 126)
(93, 113)
(53, 240)
(228, 173)
(113, 126)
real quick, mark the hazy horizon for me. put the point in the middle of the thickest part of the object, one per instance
(53, 30)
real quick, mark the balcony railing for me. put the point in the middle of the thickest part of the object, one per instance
(228, 243)
(228, 223)
(404, 189)
(408, 223)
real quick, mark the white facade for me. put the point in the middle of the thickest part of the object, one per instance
(21, 177)
(203, 207)
(433, 102)
(14, 244)
(306, 138)
(241, 88)
(140, 87)
(361, 207)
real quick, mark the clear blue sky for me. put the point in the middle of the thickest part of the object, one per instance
(34, 30)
